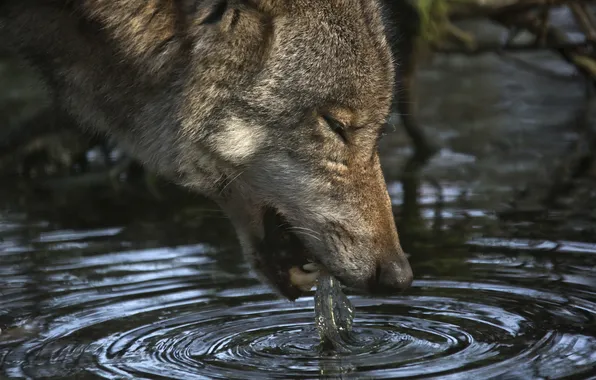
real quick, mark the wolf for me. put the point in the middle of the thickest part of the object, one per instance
(271, 108)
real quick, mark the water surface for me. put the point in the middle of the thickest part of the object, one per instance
(143, 292)
(104, 284)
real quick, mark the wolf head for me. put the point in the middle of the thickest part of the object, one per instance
(288, 101)
(273, 108)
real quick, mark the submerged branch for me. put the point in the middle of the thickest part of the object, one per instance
(533, 16)
(579, 56)
(486, 48)
(468, 9)
(583, 19)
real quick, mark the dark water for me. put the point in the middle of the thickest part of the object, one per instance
(117, 291)
(105, 284)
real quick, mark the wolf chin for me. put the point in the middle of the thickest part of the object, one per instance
(272, 108)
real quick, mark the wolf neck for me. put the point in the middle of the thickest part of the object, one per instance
(111, 83)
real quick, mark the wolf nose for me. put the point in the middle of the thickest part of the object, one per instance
(393, 275)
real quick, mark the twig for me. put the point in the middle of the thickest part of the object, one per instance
(545, 21)
(469, 9)
(583, 20)
(575, 55)
(498, 47)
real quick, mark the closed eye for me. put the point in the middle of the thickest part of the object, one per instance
(336, 126)
(216, 14)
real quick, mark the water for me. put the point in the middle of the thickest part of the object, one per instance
(102, 284)
(121, 288)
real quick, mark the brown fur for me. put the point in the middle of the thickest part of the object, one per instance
(237, 107)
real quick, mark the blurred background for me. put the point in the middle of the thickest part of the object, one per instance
(491, 167)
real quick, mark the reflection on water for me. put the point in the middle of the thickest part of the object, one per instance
(97, 285)
(153, 291)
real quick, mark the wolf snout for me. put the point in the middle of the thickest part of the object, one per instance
(392, 275)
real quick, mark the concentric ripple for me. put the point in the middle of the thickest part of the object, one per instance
(95, 304)
(412, 336)
(446, 329)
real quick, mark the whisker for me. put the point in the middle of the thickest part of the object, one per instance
(305, 229)
(230, 182)
(298, 232)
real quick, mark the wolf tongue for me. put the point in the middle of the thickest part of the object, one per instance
(334, 314)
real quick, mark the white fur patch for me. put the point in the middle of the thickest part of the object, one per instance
(239, 140)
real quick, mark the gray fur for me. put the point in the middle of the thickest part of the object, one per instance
(233, 109)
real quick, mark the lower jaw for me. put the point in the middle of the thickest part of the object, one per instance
(281, 257)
